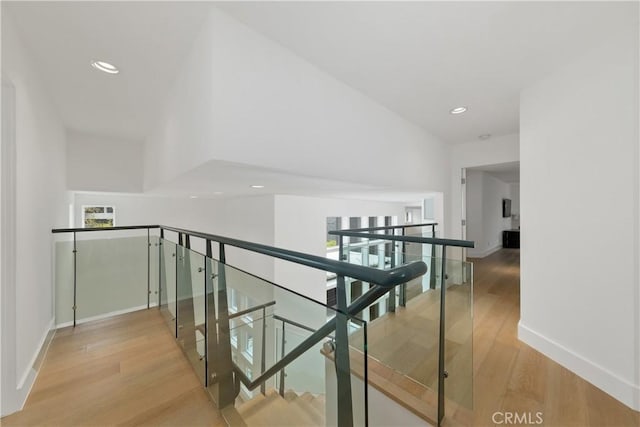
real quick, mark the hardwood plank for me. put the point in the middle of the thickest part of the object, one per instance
(125, 370)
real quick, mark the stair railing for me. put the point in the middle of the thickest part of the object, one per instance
(383, 280)
(367, 233)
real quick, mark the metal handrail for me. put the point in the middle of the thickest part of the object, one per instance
(384, 278)
(293, 323)
(389, 227)
(381, 282)
(122, 227)
(413, 239)
(251, 310)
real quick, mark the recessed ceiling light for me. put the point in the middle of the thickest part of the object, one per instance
(217, 193)
(485, 136)
(257, 186)
(193, 197)
(105, 66)
(458, 110)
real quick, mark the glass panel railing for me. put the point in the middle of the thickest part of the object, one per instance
(191, 308)
(415, 328)
(111, 273)
(63, 274)
(167, 286)
(264, 324)
(154, 270)
(459, 335)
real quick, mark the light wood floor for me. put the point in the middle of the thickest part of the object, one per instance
(510, 376)
(126, 370)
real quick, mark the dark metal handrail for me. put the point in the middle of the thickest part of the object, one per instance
(389, 227)
(413, 239)
(384, 278)
(251, 309)
(122, 227)
(293, 323)
(381, 282)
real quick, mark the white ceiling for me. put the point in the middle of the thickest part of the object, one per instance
(418, 59)
(147, 40)
(228, 179)
(222, 179)
(421, 59)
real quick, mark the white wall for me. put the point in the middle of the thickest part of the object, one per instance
(301, 225)
(501, 149)
(494, 191)
(239, 89)
(41, 203)
(248, 218)
(97, 163)
(475, 212)
(580, 189)
(484, 212)
(514, 189)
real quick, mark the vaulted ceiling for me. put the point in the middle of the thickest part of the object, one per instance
(419, 59)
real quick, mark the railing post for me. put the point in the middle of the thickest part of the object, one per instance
(226, 387)
(403, 287)
(432, 266)
(343, 367)
(148, 269)
(282, 350)
(391, 299)
(264, 348)
(178, 246)
(75, 278)
(442, 373)
(160, 264)
(211, 335)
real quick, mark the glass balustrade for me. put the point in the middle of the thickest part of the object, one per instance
(250, 340)
(242, 336)
(167, 286)
(101, 274)
(414, 328)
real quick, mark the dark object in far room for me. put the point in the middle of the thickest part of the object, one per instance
(511, 239)
(506, 208)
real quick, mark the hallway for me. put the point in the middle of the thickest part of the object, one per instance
(511, 377)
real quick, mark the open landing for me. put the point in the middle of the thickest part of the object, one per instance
(126, 370)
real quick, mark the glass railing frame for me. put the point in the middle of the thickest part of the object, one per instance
(369, 233)
(383, 280)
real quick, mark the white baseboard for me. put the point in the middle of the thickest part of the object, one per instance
(619, 388)
(106, 315)
(28, 377)
(472, 253)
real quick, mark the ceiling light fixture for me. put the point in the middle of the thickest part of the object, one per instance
(257, 186)
(105, 66)
(485, 136)
(217, 193)
(458, 110)
(193, 197)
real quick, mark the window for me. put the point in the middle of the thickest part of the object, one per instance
(98, 216)
(249, 346)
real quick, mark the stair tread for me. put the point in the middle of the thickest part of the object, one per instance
(274, 410)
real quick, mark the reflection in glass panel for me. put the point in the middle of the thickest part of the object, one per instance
(111, 272)
(190, 307)
(168, 282)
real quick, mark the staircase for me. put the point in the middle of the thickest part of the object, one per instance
(275, 410)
